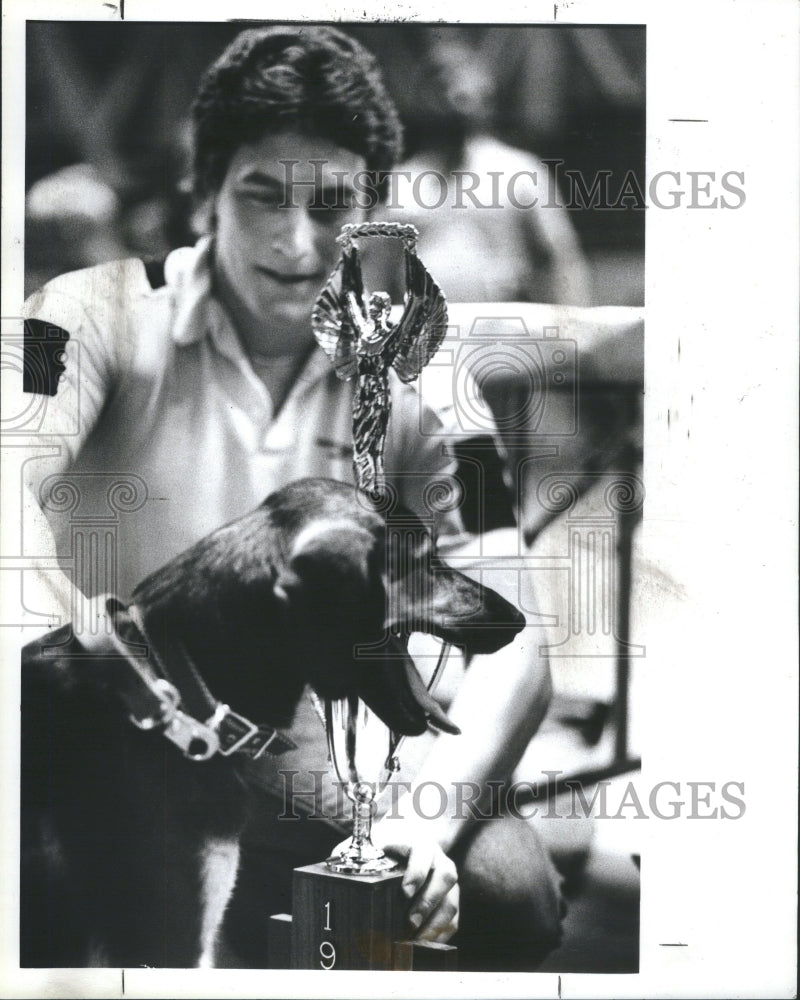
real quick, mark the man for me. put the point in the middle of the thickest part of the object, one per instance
(199, 386)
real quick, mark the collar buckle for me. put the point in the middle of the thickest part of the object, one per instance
(239, 735)
(269, 741)
(233, 730)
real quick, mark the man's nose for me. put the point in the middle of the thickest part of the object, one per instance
(294, 237)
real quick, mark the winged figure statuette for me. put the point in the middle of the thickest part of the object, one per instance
(355, 330)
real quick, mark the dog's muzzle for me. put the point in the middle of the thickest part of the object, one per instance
(392, 687)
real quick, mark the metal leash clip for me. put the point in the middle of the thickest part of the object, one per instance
(167, 699)
(196, 739)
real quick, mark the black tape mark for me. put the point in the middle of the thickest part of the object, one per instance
(43, 357)
(154, 269)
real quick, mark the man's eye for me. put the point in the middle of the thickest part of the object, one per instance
(329, 207)
(270, 199)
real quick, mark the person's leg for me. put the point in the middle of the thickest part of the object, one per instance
(511, 903)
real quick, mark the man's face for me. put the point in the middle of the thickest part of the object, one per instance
(275, 237)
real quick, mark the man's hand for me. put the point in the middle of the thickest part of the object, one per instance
(430, 882)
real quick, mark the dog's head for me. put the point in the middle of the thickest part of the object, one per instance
(317, 586)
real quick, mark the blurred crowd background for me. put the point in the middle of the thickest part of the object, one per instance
(107, 142)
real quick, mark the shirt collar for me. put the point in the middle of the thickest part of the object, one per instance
(188, 272)
(200, 314)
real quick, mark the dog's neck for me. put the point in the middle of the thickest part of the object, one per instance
(215, 606)
(237, 659)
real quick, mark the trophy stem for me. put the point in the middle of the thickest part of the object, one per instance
(360, 856)
(362, 821)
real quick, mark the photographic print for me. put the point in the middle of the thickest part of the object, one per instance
(377, 600)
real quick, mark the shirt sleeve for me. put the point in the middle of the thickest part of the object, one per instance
(74, 339)
(67, 353)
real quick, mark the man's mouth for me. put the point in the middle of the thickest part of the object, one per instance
(291, 278)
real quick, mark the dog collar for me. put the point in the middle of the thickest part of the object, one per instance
(154, 702)
(225, 732)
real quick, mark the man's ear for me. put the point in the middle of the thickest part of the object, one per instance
(203, 219)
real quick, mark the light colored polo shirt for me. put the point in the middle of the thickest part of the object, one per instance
(161, 425)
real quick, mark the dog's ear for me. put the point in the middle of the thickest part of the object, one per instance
(333, 578)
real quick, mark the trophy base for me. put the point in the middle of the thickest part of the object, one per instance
(343, 922)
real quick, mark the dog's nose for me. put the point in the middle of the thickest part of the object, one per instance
(497, 625)
(489, 637)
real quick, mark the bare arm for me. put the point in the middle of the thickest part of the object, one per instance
(499, 706)
(565, 272)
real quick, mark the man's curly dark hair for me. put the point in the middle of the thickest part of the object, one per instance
(311, 78)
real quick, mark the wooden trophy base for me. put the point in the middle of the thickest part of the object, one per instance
(346, 921)
(350, 922)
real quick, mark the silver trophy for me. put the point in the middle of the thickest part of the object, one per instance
(363, 753)
(354, 329)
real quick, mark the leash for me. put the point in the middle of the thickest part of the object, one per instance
(161, 700)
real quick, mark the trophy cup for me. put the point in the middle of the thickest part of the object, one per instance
(354, 330)
(356, 772)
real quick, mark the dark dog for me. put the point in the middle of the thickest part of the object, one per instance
(130, 839)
